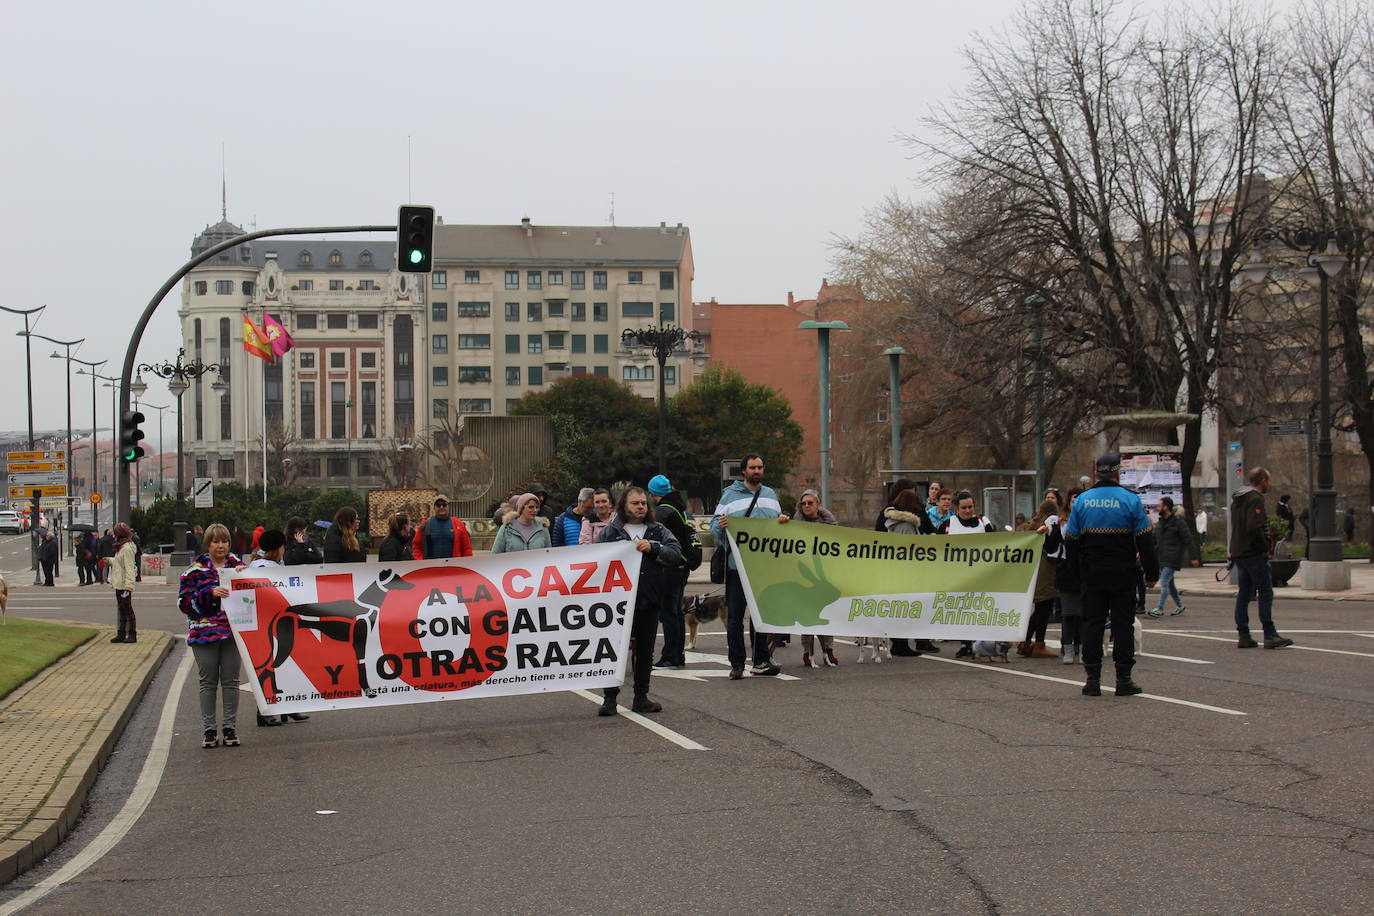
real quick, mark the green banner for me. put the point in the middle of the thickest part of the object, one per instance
(801, 577)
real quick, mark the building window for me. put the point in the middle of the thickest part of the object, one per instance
(247, 287)
(667, 311)
(534, 343)
(337, 465)
(367, 321)
(555, 278)
(474, 310)
(202, 287)
(367, 284)
(202, 468)
(472, 276)
(439, 376)
(665, 279)
(536, 375)
(403, 376)
(303, 258)
(224, 287)
(603, 371)
(438, 343)
(601, 343)
(558, 340)
(226, 416)
(510, 404)
(438, 311)
(512, 343)
(438, 279)
(598, 279)
(336, 321)
(600, 311)
(440, 409)
(556, 309)
(338, 360)
(335, 285)
(636, 310)
(305, 286)
(474, 341)
(512, 279)
(534, 311)
(474, 405)
(512, 375)
(226, 468)
(369, 359)
(670, 375)
(637, 373)
(365, 260)
(512, 311)
(335, 258)
(474, 374)
(338, 418)
(307, 410)
(636, 276)
(307, 322)
(579, 370)
(579, 311)
(369, 417)
(306, 359)
(579, 343)
(534, 279)
(578, 279)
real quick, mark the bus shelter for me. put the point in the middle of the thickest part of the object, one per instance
(1000, 493)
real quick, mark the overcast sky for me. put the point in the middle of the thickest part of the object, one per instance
(764, 127)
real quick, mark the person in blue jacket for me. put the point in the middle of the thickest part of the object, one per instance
(1111, 529)
(567, 528)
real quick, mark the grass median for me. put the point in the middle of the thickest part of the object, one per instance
(29, 646)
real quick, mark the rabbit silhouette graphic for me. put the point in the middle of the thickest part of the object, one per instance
(795, 602)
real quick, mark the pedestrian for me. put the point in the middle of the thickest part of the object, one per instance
(396, 544)
(86, 558)
(901, 485)
(1111, 528)
(933, 493)
(341, 540)
(1046, 589)
(1069, 583)
(209, 636)
(123, 568)
(809, 509)
(441, 536)
(1200, 525)
(1173, 546)
(523, 528)
(965, 519)
(1348, 524)
(47, 557)
(671, 512)
(747, 497)
(603, 510)
(238, 542)
(271, 551)
(1249, 553)
(939, 513)
(194, 536)
(545, 510)
(300, 550)
(662, 556)
(1285, 512)
(105, 550)
(567, 528)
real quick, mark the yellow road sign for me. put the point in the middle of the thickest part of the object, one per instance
(47, 491)
(37, 456)
(24, 467)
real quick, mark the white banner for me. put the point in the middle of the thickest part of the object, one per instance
(373, 634)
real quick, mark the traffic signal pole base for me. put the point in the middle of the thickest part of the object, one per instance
(1325, 575)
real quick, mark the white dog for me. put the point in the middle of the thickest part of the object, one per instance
(878, 647)
(1107, 638)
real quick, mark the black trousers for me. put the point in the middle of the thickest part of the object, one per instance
(643, 632)
(1119, 603)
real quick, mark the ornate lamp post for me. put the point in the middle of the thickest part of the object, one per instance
(178, 375)
(664, 340)
(1325, 567)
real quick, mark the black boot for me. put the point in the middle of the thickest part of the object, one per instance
(1125, 687)
(610, 695)
(1092, 687)
(902, 649)
(642, 703)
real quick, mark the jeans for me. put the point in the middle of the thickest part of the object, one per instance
(674, 627)
(737, 610)
(1253, 573)
(218, 664)
(1167, 586)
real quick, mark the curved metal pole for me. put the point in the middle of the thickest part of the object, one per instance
(131, 354)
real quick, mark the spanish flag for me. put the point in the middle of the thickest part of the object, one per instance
(255, 341)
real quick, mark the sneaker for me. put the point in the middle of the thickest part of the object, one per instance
(736, 674)
(1066, 654)
(211, 736)
(1178, 610)
(1156, 612)
(830, 659)
(1245, 642)
(1277, 642)
(766, 670)
(231, 738)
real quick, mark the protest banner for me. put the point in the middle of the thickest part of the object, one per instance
(802, 577)
(377, 634)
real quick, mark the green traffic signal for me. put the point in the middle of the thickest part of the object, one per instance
(416, 256)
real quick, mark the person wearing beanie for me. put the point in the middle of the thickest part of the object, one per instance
(567, 528)
(672, 514)
(123, 572)
(523, 529)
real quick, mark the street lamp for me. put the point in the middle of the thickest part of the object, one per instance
(1324, 555)
(894, 383)
(823, 329)
(348, 434)
(405, 448)
(92, 486)
(28, 366)
(68, 357)
(664, 340)
(178, 375)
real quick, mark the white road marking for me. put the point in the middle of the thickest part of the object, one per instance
(137, 802)
(1170, 658)
(697, 674)
(1232, 639)
(661, 730)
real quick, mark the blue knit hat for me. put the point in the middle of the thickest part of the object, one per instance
(659, 485)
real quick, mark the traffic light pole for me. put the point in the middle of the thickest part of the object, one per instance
(120, 507)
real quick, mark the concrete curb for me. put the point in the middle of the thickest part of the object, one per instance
(51, 822)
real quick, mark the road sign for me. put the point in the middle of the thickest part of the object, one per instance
(38, 478)
(203, 489)
(1288, 427)
(95, 499)
(37, 456)
(27, 467)
(44, 492)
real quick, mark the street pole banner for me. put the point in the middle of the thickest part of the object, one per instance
(383, 634)
(803, 577)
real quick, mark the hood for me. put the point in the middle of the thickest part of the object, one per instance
(895, 515)
(1241, 491)
(510, 517)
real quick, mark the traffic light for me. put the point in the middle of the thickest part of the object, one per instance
(130, 435)
(415, 240)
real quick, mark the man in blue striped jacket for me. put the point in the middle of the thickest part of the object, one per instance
(744, 497)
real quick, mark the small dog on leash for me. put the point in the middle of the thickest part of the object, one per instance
(1138, 633)
(877, 647)
(987, 650)
(697, 610)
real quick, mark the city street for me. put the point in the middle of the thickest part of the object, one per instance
(1237, 783)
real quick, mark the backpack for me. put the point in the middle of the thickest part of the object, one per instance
(691, 547)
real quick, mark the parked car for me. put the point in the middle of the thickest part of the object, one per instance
(11, 523)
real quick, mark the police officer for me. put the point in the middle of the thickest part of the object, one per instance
(1111, 528)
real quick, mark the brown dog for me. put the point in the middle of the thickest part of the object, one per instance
(697, 610)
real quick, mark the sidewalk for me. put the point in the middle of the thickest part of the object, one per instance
(1202, 581)
(57, 731)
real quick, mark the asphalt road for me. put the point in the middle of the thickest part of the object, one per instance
(914, 786)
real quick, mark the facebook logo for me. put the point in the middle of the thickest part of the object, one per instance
(294, 581)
